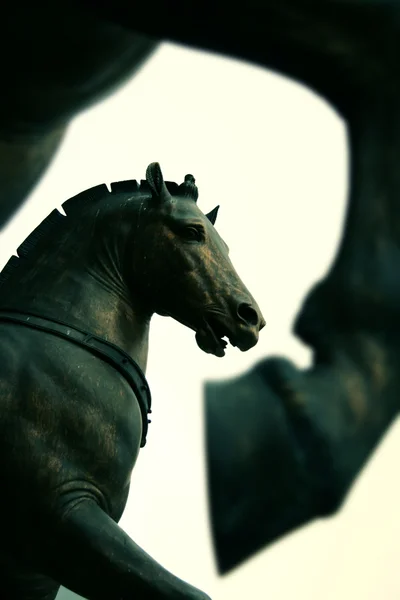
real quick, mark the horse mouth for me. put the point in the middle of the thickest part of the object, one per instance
(213, 337)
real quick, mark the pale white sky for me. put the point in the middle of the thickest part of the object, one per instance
(274, 156)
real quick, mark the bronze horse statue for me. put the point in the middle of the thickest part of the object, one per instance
(74, 329)
(311, 431)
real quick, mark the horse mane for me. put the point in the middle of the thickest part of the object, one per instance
(73, 206)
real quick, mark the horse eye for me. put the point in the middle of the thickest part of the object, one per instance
(192, 234)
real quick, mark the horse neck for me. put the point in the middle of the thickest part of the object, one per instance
(81, 283)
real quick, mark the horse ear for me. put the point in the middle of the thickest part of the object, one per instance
(155, 179)
(212, 215)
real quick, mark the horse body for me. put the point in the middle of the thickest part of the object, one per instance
(71, 425)
(78, 425)
(70, 428)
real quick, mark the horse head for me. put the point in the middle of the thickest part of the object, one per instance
(183, 269)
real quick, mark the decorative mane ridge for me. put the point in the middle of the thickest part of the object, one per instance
(72, 206)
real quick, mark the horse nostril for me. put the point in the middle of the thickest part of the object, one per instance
(247, 314)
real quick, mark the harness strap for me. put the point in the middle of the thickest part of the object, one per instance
(98, 346)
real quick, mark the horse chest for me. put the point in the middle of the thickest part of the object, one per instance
(103, 437)
(76, 419)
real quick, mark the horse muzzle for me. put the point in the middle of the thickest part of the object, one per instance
(245, 339)
(242, 333)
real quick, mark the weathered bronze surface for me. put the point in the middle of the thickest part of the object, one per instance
(70, 423)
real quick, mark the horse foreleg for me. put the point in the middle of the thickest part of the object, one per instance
(87, 552)
(285, 446)
(296, 440)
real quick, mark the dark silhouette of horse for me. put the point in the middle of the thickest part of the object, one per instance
(67, 56)
(74, 327)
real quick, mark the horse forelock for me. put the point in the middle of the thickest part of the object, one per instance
(188, 189)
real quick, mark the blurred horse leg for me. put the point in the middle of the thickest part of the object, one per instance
(23, 161)
(284, 446)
